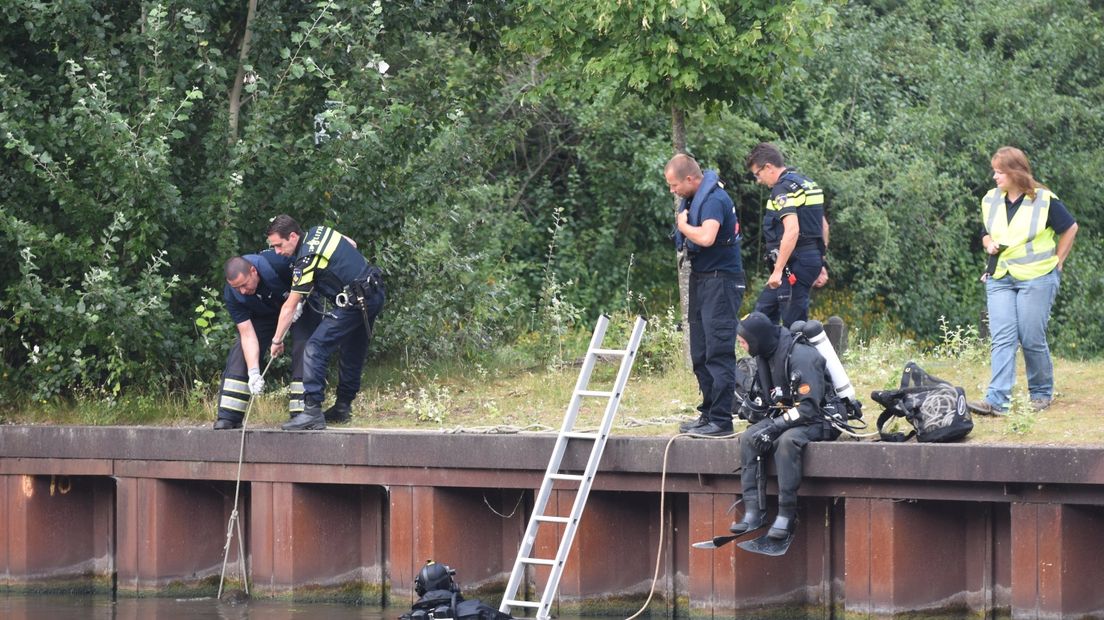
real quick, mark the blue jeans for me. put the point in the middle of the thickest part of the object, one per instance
(1018, 314)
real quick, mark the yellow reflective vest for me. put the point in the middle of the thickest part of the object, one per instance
(1032, 247)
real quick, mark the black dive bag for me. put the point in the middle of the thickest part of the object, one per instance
(935, 408)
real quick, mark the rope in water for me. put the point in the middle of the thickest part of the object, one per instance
(230, 525)
(663, 516)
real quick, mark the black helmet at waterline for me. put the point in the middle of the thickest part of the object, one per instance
(434, 576)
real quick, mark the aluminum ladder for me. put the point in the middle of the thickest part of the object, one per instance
(553, 474)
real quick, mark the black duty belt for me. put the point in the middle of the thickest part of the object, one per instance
(715, 274)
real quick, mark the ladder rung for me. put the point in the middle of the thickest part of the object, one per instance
(609, 351)
(599, 437)
(575, 477)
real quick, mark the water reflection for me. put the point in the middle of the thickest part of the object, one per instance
(53, 607)
(19, 607)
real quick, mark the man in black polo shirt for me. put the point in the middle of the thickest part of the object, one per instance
(708, 230)
(256, 287)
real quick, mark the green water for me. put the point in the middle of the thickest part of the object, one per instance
(19, 607)
(56, 607)
(60, 607)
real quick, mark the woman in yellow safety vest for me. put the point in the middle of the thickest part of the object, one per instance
(1030, 232)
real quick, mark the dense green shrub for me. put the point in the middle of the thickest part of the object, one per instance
(1077, 317)
(898, 118)
(143, 144)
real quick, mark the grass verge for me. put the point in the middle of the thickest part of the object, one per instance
(507, 391)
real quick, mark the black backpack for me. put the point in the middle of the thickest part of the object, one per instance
(935, 408)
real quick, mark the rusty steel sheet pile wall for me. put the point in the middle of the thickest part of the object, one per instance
(884, 529)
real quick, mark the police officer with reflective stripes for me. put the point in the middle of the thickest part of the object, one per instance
(707, 228)
(256, 287)
(1029, 233)
(795, 235)
(328, 262)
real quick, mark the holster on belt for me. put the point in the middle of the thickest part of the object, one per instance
(361, 290)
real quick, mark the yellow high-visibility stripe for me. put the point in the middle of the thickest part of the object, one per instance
(1031, 248)
(321, 250)
(800, 198)
(232, 404)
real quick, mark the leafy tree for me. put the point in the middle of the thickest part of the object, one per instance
(677, 56)
(913, 98)
(146, 144)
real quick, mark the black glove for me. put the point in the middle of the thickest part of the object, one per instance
(765, 436)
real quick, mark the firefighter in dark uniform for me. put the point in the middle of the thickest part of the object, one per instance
(788, 407)
(256, 287)
(795, 235)
(708, 230)
(328, 262)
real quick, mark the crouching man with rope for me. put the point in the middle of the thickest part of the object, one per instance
(792, 402)
(328, 261)
(256, 287)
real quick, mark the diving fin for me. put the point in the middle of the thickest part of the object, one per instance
(716, 543)
(766, 545)
(719, 541)
(753, 520)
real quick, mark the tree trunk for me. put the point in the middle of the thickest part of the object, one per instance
(678, 140)
(239, 79)
(142, 67)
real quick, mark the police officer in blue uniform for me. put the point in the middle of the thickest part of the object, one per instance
(795, 235)
(327, 262)
(256, 287)
(707, 228)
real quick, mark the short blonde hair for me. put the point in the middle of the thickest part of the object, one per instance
(683, 166)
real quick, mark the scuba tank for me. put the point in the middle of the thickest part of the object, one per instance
(813, 331)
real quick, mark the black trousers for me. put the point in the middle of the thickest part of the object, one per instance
(342, 330)
(715, 300)
(787, 453)
(234, 396)
(790, 302)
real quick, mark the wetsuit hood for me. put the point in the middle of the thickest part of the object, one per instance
(761, 335)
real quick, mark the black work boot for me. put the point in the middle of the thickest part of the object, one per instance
(753, 519)
(783, 525)
(340, 413)
(690, 425)
(223, 424)
(311, 419)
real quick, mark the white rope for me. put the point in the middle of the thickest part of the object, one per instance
(512, 512)
(230, 525)
(662, 514)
